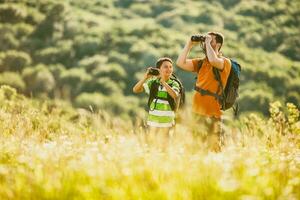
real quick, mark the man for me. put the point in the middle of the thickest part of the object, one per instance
(205, 104)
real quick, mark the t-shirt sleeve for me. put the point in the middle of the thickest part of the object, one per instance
(195, 62)
(147, 85)
(227, 67)
(226, 71)
(175, 87)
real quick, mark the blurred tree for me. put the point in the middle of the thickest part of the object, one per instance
(34, 17)
(229, 4)
(14, 60)
(91, 100)
(12, 79)
(86, 46)
(110, 41)
(75, 78)
(38, 79)
(293, 97)
(112, 70)
(91, 63)
(12, 13)
(107, 87)
(57, 70)
(8, 41)
(62, 53)
(141, 9)
(22, 30)
(52, 23)
(255, 96)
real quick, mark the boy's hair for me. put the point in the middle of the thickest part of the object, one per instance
(160, 61)
(219, 37)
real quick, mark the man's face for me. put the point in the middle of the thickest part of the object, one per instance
(213, 43)
(166, 68)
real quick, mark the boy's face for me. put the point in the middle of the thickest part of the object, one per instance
(166, 68)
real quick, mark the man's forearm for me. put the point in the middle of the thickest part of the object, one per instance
(210, 53)
(213, 59)
(183, 55)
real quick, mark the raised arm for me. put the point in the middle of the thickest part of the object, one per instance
(182, 61)
(138, 87)
(213, 58)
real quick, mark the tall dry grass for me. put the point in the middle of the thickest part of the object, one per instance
(48, 150)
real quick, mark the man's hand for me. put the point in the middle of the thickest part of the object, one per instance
(190, 43)
(208, 39)
(212, 56)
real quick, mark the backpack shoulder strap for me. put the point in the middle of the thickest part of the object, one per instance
(153, 92)
(220, 87)
(200, 62)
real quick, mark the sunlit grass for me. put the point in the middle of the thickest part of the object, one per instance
(50, 151)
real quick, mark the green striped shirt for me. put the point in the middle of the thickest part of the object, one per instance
(160, 112)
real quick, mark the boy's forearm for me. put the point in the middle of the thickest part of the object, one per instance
(171, 92)
(139, 85)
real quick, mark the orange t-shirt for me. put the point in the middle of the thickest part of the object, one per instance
(205, 104)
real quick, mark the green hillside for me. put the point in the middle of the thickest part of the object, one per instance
(92, 52)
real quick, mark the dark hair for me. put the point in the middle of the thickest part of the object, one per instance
(219, 37)
(160, 61)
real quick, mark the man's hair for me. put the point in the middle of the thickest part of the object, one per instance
(219, 37)
(160, 61)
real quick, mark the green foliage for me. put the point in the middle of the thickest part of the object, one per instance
(34, 17)
(56, 70)
(38, 79)
(11, 36)
(86, 46)
(12, 79)
(111, 41)
(14, 60)
(107, 86)
(12, 13)
(229, 4)
(91, 101)
(255, 96)
(91, 63)
(141, 9)
(50, 25)
(62, 53)
(112, 70)
(8, 41)
(8, 93)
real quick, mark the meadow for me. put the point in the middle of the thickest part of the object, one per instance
(49, 150)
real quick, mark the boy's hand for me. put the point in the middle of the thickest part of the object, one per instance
(147, 75)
